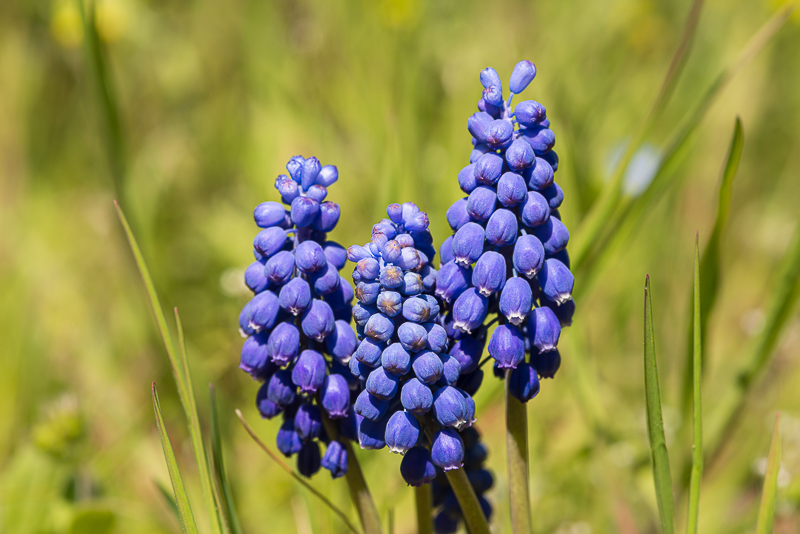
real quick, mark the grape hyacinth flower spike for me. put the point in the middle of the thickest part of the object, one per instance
(298, 321)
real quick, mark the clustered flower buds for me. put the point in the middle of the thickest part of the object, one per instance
(298, 323)
(409, 379)
(508, 251)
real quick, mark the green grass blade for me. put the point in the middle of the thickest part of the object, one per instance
(181, 498)
(517, 454)
(297, 477)
(697, 416)
(180, 370)
(169, 499)
(655, 423)
(766, 512)
(606, 204)
(423, 499)
(229, 505)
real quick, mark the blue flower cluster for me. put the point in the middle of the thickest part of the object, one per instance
(298, 323)
(508, 252)
(409, 380)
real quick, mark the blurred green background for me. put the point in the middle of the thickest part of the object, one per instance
(214, 97)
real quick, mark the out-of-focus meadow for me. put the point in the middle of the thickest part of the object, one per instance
(213, 99)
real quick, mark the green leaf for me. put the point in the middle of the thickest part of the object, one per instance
(297, 477)
(180, 371)
(697, 416)
(181, 498)
(655, 423)
(219, 465)
(517, 455)
(766, 512)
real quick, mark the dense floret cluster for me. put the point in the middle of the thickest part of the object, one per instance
(408, 377)
(298, 323)
(508, 251)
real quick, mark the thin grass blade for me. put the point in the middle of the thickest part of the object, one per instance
(606, 204)
(518, 468)
(297, 477)
(169, 498)
(766, 512)
(181, 498)
(655, 422)
(697, 416)
(228, 504)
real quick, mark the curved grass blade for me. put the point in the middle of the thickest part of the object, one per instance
(697, 416)
(518, 469)
(180, 371)
(228, 504)
(294, 475)
(423, 499)
(181, 498)
(604, 207)
(766, 512)
(655, 422)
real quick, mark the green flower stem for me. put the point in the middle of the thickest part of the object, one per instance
(518, 470)
(424, 502)
(468, 501)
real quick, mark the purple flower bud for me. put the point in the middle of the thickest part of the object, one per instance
(416, 397)
(488, 168)
(412, 284)
(453, 279)
(328, 216)
(499, 133)
(308, 422)
(489, 274)
(362, 313)
(516, 300)
(553, 235)
(371, 434)
(528, 256)
(467, 351)
(391, 251)
(429, 276)
(304, 211)
(540, 138)
(447, 450)
(379, 327)
(396, 360)
(266, 407)
(476, 153)
(368, 268)
(446, 251)
(427, 366)
(457, 215)
(402, 432)
(255, 278)
(540, 176)
(417, 468)
(335, 396)
(521, 76)
(546, 363)
(279, 268)
(469, 402)
(367, 292)
(369, 406)
(281, 389)
(269, 214)
(308, 372)
(295, 296)
(382, 384)
(469, 310)
(481, 480)
(452, 370)
(255, 357)
(326, 281)
(493, 95)
(557, 281)
(551, 158)
(288, 189)
(511, 189)
(288, 441)
(327, 176)
(308, 459)
(564, 311)
(357, 253)
(391, 277)
(554, 195)
(437, 337)
(409, 259)
(369, 352)
(409, 211)
(544, 329)
(262, 312)
(468, 243)
(466, 177)
(501, 230)
(310, 257)
(342, 342)
(529, 113)
(335, 459)
(520, 155)
(390, 303)
(317, 192)
(404, 240)
(283, 344)
(535, 210)
(295, 168)
(417, 310)
(358, 371)
(477, 125)
(449, 407)
(413, 337)
(524, 382)
(471, 383)
(318, 322)
(480, 205)
(446, 522)
(311, 168)
(489, 77)
(507, 346)
(269, 241)
(418, 222)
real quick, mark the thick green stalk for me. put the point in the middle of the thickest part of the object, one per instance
(518, 470)
(423, 498)
(468, 501)
(697, 369)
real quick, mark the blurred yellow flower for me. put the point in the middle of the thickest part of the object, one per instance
(112, 18)
(66, 24)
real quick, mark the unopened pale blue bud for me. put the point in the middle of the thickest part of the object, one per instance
(489, 274)
(402, 432)
(501, 230)
(477, 125)
(520, 155)
(304, 211)
(255, 278)
(540, 176)
(468, 243)
(535, 210)
(369, 352)
(295, 296)
(281, 389)
(335, 396)
(309, 371)
(262, 311)
(488, 169)
(288, 189)
(427, 367)
(367, 292)
(382, 384)
(457, 214)
(390, 303)
(371, 434)
(507, 346)
(379, 327)
(511, 189)
(335, 459)
(280, 267)
(529, 113)
(544, 329)
(269, 241)
(412, 284)
(480, 204)
(528, 255)
(288, 441)
(318, 321)
(362, 313)
(416, 397)
(557, 281)
(391, 251)
(417, 310)
(499, 133)
(429, 276)
(516, 300)
(452, 370)
(328, 216)
(369, 406)
(523, 74)
(342, 342)
(469, 310)
(554, 196)
(368, 268)
(391, 277)
(553, 235)
(413, 337)
(255, 359)
(295, 168)
(437, 337)
(269, 214)
(309, 257)
(311, 168)
(266, 407)
(409, 259)
(447, 450)
(328, 175)
(325, 281)
(479, 150)
(317, 192)
(357, 252)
